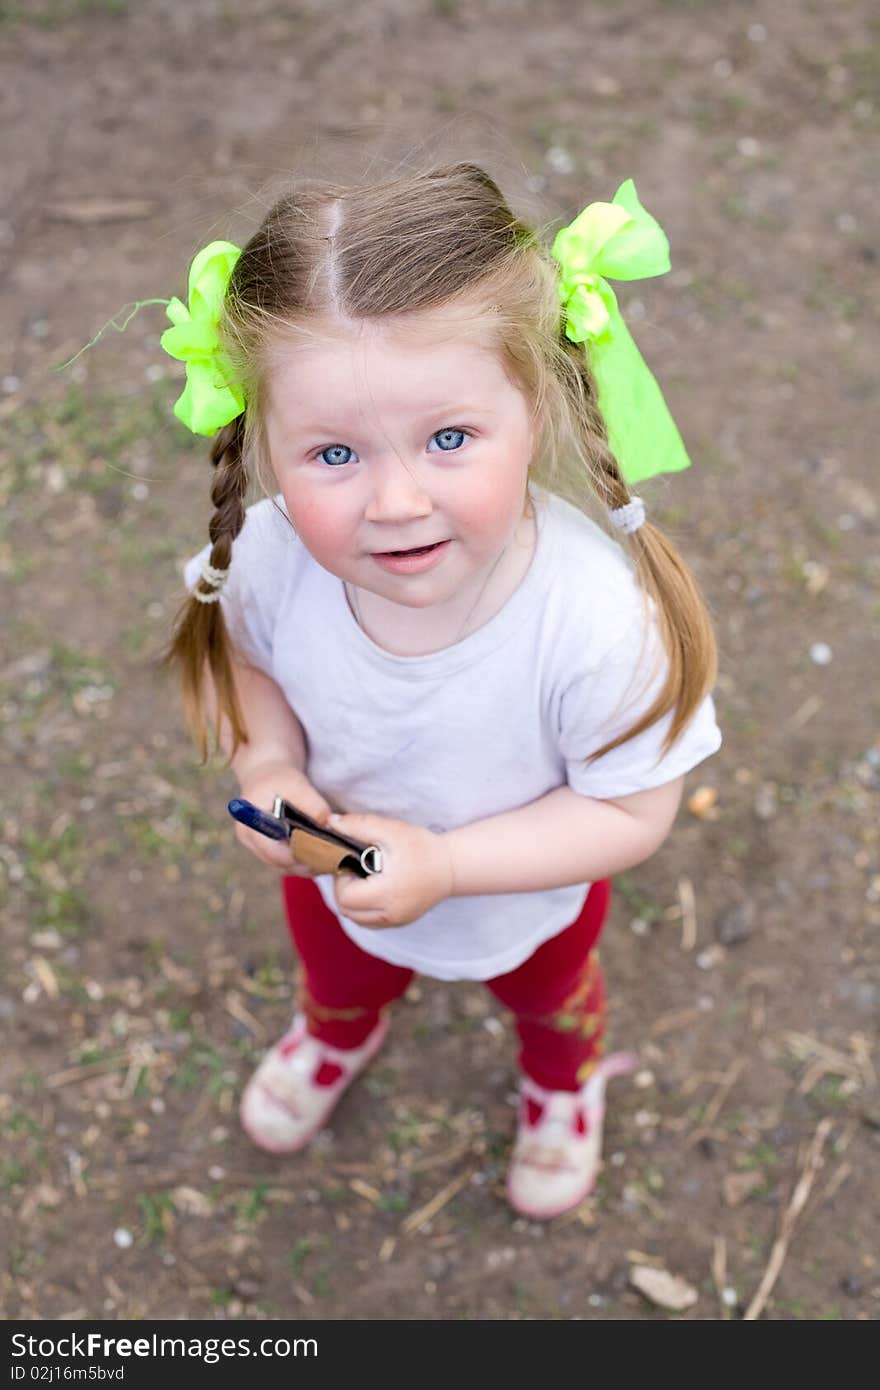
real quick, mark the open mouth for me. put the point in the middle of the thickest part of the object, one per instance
(412, 561)
(418, 550)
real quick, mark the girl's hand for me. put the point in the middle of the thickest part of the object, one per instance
(416, 872)
(261, 786)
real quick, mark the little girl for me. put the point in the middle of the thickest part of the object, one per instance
(449, 621)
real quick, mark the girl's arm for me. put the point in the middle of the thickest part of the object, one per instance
(271, 763)
(275, 735)
(561, 839)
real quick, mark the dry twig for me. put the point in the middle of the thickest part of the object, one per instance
(713, 1108)
(788, 1220)
(417, 1219)
(88, 1070)
(677, 1018)
(688, 914)
(719, 1273)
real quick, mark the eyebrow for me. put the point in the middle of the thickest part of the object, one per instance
(433, 412)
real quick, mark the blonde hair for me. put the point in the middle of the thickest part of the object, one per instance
(409, 244)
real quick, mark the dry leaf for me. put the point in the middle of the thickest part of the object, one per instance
(46, 976)
(739, 1186)
(702, 803)
(665, 1289)
(190, 1202)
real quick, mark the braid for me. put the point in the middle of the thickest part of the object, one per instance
(228, 491)
(607, 477)
(666, 581)
(200, 641)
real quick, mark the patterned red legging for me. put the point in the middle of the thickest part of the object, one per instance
(557, 996)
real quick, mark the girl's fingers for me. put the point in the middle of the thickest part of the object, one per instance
(367, 919)
(359, 825)
(267, 851)
(354, 895)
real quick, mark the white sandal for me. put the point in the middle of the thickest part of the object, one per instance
(294, 1090)
(558, 1146)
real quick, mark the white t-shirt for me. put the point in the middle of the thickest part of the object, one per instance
(487, 725)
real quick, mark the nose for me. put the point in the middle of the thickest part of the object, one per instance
(397, 494)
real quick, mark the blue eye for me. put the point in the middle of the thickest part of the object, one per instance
(337, 454)
(448, 440)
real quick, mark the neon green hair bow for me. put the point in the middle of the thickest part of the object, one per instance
(210, 398)
(621, 240)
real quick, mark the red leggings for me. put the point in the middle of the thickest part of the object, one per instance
(557, 996)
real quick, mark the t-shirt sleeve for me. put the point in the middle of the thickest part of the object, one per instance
(609, 699)
(251, 596)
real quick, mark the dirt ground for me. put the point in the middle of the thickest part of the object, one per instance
(144, 964)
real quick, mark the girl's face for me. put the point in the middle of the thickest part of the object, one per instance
(382, 443)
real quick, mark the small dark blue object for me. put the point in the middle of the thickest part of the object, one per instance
(252, 816)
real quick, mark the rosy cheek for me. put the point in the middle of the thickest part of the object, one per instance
(320, 528)
(492, 504)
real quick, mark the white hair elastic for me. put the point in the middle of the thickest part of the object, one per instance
(630, 517)
(215, 579)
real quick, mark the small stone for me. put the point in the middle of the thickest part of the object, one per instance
(766, 803)
(48, 940)
(661, 1287)
(123, 1238)
(734, 924)
(644, 1079)
(729, 1296)
(708, 959)
(248, 1288)
(815, 575)
(756, 33)
(722, 68)
(560, 160)
(852, 1286)
(748, 147)
(498, 1259)
(638, 926)
(821, 654)
(56, 478)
